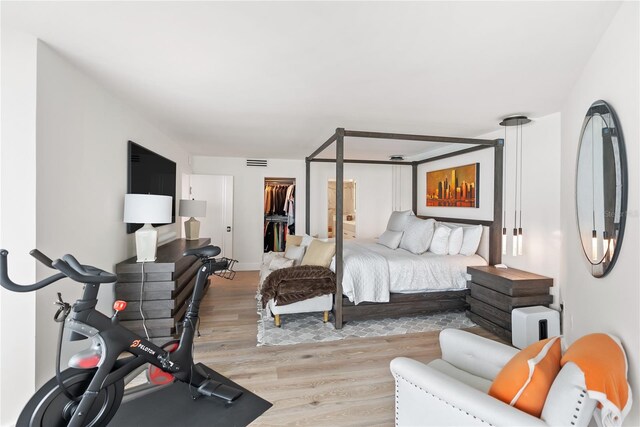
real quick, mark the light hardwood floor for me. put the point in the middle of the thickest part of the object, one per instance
(345, 383)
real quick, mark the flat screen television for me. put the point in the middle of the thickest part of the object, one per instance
(150, 173)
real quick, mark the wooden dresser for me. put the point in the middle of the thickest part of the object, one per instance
(166, 290)
(497, 291)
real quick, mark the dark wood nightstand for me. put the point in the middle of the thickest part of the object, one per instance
(497, 291)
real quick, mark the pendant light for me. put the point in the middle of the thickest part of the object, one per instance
(517, 239)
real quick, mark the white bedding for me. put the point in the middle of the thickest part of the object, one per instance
(372, 271)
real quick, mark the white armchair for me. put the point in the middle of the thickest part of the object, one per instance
(452, 391)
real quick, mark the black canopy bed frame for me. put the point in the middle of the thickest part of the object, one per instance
(414, 303)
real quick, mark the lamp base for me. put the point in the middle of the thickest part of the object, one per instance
(146, 243)
(192, 229)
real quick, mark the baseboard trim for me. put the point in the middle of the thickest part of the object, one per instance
(247, 266)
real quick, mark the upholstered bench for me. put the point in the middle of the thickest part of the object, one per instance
(305, 288)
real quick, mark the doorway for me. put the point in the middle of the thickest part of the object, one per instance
(349, 216)
(217, 191)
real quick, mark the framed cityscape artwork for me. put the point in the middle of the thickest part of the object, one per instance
(454, 187)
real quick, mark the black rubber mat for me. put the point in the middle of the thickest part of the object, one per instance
(173, 406)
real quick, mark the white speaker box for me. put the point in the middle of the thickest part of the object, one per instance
(531, 324)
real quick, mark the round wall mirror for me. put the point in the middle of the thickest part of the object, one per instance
(601, 188)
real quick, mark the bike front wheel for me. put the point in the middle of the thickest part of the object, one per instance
(50, 406)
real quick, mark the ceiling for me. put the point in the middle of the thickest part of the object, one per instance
(274, 79)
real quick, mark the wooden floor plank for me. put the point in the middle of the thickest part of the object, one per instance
(345, 383)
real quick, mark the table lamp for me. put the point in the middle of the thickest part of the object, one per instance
(147, 209)
(192, 208)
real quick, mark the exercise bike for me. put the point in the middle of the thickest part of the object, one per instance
(90, 392)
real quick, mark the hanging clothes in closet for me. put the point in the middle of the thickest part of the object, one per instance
(279, 213)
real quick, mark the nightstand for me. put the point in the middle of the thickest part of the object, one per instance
(497, 291)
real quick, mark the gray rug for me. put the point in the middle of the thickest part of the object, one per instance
(308, 327)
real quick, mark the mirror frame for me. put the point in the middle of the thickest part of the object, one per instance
(624, 190)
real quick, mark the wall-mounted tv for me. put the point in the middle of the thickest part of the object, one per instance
(150, 173)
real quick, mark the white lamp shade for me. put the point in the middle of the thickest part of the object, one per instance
(192, 208)
(147, 209)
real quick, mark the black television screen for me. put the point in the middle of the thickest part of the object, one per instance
(150, 173)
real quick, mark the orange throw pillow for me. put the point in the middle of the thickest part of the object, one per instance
(525, 380)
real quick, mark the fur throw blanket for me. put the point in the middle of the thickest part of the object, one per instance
(293, 284)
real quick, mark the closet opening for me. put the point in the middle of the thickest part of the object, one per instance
(279, 212)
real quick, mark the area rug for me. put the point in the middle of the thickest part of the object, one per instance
(309, 327)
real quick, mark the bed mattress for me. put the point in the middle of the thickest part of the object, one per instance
(373, 271)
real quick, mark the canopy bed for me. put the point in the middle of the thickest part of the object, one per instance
(400, 304)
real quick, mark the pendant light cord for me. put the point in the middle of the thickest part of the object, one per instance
(515, 188)
(521, 155)
(504, 179)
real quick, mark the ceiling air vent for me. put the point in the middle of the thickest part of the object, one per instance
(257, 163)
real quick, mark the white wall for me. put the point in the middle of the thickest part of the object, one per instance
(17, 218)
(82, 134)
(609, 304)
(248, 200)
(373, 194)
(485, 186)
(540, 189)
(541, 165)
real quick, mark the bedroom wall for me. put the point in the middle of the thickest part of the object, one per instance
(374, 196)
(608, 304)
(18, 55)
(248, 193)
(540, 200)
(82, 134)
(248, 200)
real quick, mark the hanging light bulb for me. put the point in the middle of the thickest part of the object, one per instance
(514, 251)
(594, 245)
(520, 241)
(504, 240)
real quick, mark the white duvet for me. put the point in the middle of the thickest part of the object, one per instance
(373, 271)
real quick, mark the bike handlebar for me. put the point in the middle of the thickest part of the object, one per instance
(68, 267)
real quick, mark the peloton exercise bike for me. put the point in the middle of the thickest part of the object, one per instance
(90, 392)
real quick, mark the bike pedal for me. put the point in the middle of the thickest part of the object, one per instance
(216, 389)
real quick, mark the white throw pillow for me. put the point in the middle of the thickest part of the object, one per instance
(455, 240)
(280, 262)
(390, 239)
(440, 242)
(471, 240)
(397, 220)
(417, 234)
(295, 253)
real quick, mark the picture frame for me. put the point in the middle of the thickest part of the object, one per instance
(454, 187)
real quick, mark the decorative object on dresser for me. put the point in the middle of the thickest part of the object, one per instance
(147, 209)
(158, 292)
(192, 208)
(495, 292)
(601, 188)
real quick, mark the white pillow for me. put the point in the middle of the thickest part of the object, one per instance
(471, 240)
(397, 220)
(295, 253)
(455, 240)
(417, 234)
(280, 262)
(440, 242)
(390, 239)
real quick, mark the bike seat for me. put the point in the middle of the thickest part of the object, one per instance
(205, 251)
